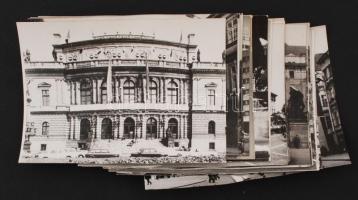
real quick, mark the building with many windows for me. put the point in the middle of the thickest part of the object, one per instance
(331, 133)
(114, 89)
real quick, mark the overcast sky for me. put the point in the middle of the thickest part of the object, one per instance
(297, 34)
(320, 41)
(209, 33)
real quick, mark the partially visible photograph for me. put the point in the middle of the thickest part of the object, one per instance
(173, 181)
(330, 132)
(297, 85)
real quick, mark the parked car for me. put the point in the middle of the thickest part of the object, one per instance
(74, 153)
(100, 153)
(148, 152)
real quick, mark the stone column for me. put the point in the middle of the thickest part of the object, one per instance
(116, 98)
(118, 126)
(165, 125)
(135, 126)
(78, 95)
(180, 127)
(179, 91)
(159, 96)
(121, 126)
(121, 82)
(114, 126)
(74, 128)
(144, 130)
(95, 126)
(94, 88)
(71, 92)
(158, 127)
(98, 127)
(184, 126)
(184, 91)
(164, 90)
(98, 95)
(145, 94)
(69, 127)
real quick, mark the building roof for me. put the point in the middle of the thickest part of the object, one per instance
(122, 39)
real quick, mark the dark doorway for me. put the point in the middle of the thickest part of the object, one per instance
(151, 128)
(172, 128)
(129, 128)
(85, 129)
(106, 129)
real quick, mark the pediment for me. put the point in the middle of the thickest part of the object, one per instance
(44, 84)
(211, 84)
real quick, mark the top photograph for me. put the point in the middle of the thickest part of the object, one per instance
(166, 102)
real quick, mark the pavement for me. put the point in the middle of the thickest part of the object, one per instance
(279, 149)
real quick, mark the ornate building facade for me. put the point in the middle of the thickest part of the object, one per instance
(115, 88)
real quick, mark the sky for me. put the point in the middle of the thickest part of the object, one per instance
(297, 34)
(320, 41)
(38, 38)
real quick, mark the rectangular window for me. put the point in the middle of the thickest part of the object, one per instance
(45, 97)
(335, 118)
(329, 122)
(212, 145)
(324, 101)
(211, 97)
(43, 147)
(292, 74)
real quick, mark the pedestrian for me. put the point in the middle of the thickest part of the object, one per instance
(148, 177)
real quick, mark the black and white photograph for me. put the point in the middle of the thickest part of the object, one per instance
(240, 143)
(167, 98)
(332, 144)
(296, 109)
(178, 100)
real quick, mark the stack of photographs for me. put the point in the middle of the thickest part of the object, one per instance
(194, 100)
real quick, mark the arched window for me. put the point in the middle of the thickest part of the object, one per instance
(45, 128)
(173, 92)
(85, 129)
(153, 92)
(211, 127)
(106, 129)
(151, 128)
(128, 91)
(129, 127)
(86, 92)
(172, 131)
(104, 92)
